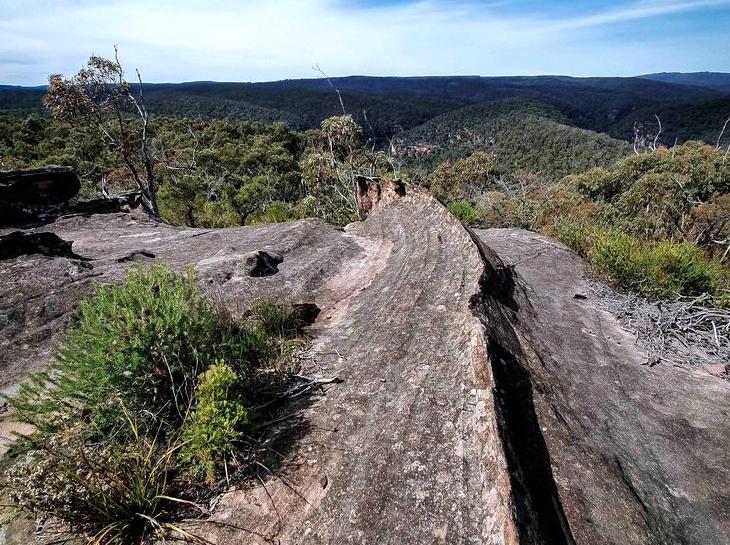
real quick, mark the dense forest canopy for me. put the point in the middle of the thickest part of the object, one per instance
(524, 135)
(609, 105)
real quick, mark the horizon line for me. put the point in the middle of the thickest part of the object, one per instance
(480, 76)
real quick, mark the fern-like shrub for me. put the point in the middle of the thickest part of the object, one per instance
(142, 342)
(212, 432)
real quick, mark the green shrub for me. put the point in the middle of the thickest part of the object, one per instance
(144, 342)
(574, 235)
(153, 388)
(621, 257)
(465, 212)
(275, 212)
(660, 269)
(456, 180)
(680, 268)
(668, 194)
(214, 427)
(276, 318)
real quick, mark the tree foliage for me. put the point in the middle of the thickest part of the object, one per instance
(100, 100)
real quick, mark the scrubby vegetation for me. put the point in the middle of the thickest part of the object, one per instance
(663, 269)
(155, 392)
(215, 424)
(105, 494)
(662, 217)
(657, 223)
(500, 152)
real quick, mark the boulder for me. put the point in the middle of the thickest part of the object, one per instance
(18, 243)
(38, 187)
(41, 195)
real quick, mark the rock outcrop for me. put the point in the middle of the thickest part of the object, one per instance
(638, 454)
(38, 187)
(38, 196)
(371, 191)
(26, 195)
(480, 401)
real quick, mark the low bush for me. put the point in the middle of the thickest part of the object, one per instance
(277, 319)
(670, 194)
(106, 495)
(659, 269)
(681, 268)
(457, 180)
(275, 212)
(465, 212)
(575, 236)
(621, 258)
(152, 392)
(144, 342)
(657, 223)
(212, 431)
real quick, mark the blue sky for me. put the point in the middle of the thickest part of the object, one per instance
(257, 40)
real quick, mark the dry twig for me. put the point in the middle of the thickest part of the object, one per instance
(687, 330)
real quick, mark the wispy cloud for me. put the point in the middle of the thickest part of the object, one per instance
(635, 11)
(272, 39)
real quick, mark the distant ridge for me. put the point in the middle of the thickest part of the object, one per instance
(691, 106)
(711, 80)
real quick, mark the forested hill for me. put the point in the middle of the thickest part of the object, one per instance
(523, 135)
(713, 80)
(609, 105)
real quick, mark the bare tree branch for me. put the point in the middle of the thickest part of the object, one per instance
(722, 132)
(317, 68)
(99, 98)
(656, 138)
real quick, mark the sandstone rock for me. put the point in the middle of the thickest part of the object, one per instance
(371, 191)
(636, 453)
(26, 194)
(475, 405)
(313, 252)
(42, 186)
(718, 369)
(40, 196)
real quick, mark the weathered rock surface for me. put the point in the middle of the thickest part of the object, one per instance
(639, 453)
(38, 292)
(481, 401)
